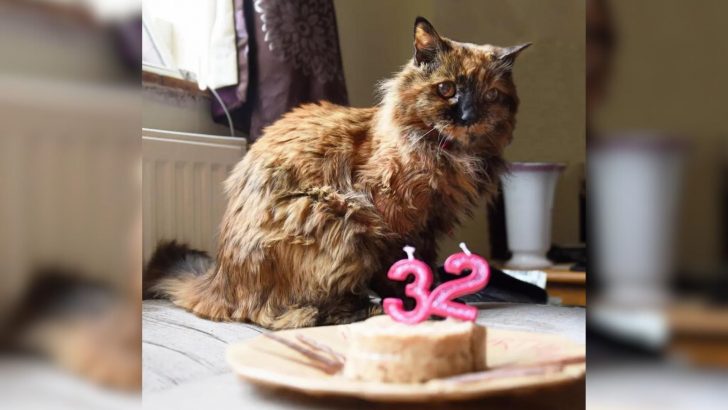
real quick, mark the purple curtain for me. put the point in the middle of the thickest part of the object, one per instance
(288, 54)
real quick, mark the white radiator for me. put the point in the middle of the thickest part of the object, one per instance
(182, 192)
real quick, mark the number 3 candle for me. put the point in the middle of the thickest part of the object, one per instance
(439, 301)
(419, 290)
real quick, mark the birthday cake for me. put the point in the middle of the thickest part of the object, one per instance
(383, 350)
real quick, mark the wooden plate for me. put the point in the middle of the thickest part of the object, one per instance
(265, 362)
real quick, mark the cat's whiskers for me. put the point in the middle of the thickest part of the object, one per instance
(439, 142)
(418, 139)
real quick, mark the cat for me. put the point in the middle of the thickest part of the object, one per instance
(324, 201)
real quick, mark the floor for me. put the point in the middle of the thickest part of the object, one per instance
(184, 365)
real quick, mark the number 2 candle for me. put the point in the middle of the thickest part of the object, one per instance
(440, 299)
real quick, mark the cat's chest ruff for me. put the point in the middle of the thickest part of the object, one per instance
(408, 197)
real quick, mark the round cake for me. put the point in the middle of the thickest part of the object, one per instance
(382, 350)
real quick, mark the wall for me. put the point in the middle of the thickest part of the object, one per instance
(376, 39)
(169, 109)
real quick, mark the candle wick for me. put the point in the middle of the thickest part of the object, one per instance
(465, 248)
(410, 251)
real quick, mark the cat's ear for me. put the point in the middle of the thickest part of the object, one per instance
(427, 42)
(509, 54)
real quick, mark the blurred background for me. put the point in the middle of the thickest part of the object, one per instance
(70, 217)
(656, 97)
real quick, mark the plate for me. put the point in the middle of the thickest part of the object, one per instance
(516, 361)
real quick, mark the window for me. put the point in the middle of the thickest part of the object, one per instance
(192, 40)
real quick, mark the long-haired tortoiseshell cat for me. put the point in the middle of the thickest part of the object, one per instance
(323, 202)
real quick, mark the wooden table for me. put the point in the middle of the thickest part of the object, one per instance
(184, 364)
(569, 286)
(562, 283)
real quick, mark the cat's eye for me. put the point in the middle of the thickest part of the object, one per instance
(491, 95)
(446, 89)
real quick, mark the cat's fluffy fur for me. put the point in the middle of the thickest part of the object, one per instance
(322, 204)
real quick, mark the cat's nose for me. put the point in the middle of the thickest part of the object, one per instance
(468, 116)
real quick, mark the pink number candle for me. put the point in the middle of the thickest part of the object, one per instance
(418, 290)
(439, 302)
(440, 299)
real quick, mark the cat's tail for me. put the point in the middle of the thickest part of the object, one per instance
(172, 262)
(182, 275)
(187, 278)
